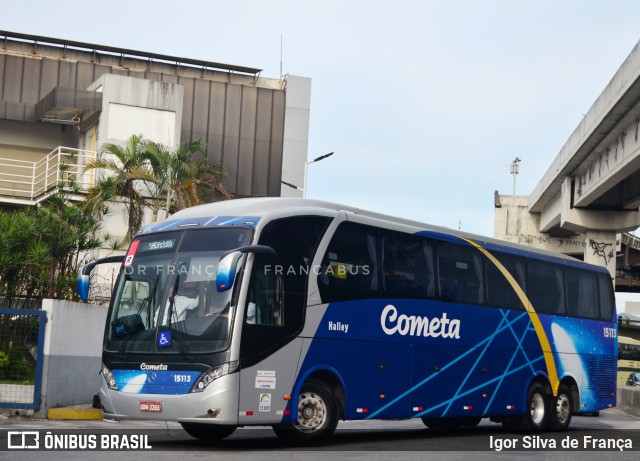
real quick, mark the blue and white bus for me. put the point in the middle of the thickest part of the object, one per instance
(296, 314)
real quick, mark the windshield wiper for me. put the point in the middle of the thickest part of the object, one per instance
(172, 301)
(145, 302)
(171, 311)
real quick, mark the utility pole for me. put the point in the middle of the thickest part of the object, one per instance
(515, 169)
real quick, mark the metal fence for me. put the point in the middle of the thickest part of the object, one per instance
(21, 357)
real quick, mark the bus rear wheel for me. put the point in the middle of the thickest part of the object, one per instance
(536, 417)
(561, 409)
(208, 432)
(317, 417)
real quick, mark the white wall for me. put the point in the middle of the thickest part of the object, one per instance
(137, 106)
(154, 124)
(296, 134)
(72, 353)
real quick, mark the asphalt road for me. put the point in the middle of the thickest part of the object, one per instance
(371, 440)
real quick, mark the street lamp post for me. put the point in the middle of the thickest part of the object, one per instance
(306, 165)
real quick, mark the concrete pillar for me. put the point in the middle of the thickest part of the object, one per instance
(600, 249)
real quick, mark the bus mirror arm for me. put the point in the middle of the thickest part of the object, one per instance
(85, 273)
(226, 273)
(257, 249)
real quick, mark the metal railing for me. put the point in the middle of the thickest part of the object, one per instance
(34, 181)
(631, 240)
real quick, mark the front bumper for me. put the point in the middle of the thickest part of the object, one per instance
(217, 404)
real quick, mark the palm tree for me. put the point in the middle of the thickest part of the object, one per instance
(128, 167)
(181, 182)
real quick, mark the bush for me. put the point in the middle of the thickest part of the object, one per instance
(41, 249)
(4, 360)
(20, 365)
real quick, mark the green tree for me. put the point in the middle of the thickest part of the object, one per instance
(42, 249)
(181, 180)
(24, 259)
(127, 169)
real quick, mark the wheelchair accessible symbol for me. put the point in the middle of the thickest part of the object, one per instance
(164, 339)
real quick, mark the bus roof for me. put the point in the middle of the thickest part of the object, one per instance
(276, 207)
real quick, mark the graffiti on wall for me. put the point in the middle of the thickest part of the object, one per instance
(601, 250)
(543, 240)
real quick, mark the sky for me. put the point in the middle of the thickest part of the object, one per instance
(425, 102)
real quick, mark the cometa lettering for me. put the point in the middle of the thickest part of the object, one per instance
(159, 367)
(413, 325)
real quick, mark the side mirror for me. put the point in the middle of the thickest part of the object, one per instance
(226, 273)
(85, 272)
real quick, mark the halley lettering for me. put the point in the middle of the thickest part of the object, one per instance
(413, 325)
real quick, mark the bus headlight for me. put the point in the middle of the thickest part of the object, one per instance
(108, 377)
(213, 374)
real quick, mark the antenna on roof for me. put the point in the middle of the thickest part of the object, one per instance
(280, 55)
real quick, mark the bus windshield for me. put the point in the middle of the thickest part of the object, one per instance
(165, 299)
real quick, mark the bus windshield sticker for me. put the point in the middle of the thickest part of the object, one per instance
(132, 252)
(164, 339)
(265, 379)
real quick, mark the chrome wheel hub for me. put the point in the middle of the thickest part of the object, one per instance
(537, 408)
(563, 410)
(312, 412)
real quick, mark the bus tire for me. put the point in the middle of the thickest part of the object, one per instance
(536, 416)
(317, 417)
(208, 432)
(561, 409)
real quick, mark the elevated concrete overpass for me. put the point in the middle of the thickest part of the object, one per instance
(591, 192)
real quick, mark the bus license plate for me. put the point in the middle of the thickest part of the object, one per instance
(155, 407)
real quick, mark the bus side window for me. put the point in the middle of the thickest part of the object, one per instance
(582, 295)
(545, 288)
(460, 274)
(407, 266)
(295, 240)
(263, 307)
(606, 297)
(349, 268)
(500, 293)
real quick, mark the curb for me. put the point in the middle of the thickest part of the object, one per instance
(74, 414)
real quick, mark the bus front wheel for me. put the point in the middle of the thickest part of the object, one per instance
(208, 432)
(317, 416)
